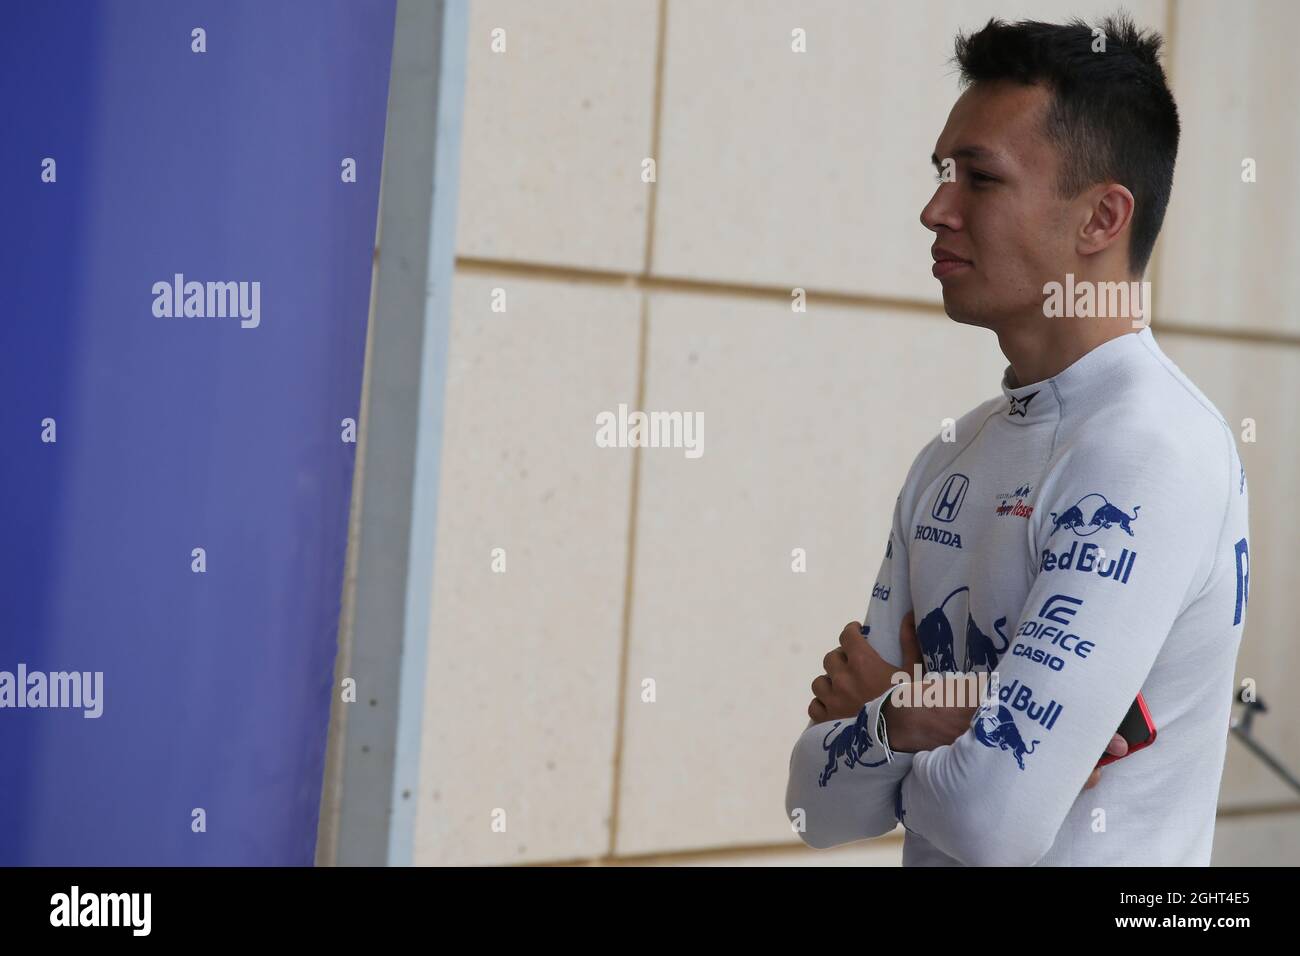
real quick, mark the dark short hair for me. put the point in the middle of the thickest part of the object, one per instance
(1112, 117)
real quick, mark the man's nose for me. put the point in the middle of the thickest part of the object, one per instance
(942, 210)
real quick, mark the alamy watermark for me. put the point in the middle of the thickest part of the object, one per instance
(57, 689)
(1099, 300)
(212, 300)
(76, 908)
(942, 688)
(651, 430)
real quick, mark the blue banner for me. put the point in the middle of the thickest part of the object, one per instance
(189, 193)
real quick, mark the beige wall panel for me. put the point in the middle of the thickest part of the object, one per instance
(555, 131)
(521, 699)
(787, 169)
(1229, 250)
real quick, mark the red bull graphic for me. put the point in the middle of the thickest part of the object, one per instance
(1103, 515)
(1000, 732)
(1086, 557)
(997, 728)
(1021, 697)
(851, 744)
(935, 634)
(980, 649)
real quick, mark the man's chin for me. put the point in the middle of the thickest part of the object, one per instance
(961, 311)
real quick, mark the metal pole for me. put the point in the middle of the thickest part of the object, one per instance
(378, 754)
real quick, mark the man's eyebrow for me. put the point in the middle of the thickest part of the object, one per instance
(967, 152)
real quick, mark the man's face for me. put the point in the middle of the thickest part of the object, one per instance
(1001, 214)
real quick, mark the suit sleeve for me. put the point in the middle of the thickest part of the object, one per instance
(1123, 547)
(843, 779)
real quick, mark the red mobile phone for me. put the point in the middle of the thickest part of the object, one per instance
(1137, 728)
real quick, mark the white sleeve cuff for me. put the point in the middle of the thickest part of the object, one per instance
(876, 724)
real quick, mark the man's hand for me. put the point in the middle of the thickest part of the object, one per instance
(913, 729)
(856, 674)
(1117, 747)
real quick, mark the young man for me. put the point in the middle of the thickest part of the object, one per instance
(1084, 532)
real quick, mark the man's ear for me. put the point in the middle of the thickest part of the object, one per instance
(1108, 212)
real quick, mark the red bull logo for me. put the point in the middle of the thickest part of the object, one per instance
(851, 744)
(997, 727)
(999, 731)
(1020, 697)
(1086, 557)
(936, 637)
(1102, 515)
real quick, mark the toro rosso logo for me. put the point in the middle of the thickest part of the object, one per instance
(851, 744)
(1018, 508)
(1103, 515)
